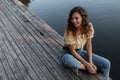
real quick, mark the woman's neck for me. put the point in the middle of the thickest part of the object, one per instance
(79, 30)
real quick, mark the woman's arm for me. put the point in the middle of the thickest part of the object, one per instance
(89, 51)
(83, 61)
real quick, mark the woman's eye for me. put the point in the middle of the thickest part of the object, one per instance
(76, 18)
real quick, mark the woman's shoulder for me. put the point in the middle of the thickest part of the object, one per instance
(90, 23)
(90, 33)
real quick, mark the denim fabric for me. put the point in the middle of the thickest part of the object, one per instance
(70, 61)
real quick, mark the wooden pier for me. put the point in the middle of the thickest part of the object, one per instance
(30, 49)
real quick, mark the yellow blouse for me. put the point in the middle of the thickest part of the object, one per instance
(81, 39)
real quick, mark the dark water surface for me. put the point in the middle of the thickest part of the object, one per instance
(104, 14)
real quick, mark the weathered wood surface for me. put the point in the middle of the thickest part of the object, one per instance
(30, 49)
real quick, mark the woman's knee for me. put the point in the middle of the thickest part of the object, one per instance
(69, 61)
(66, 58)
(99, 60)
(108, 63)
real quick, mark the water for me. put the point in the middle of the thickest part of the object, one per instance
(104, 14)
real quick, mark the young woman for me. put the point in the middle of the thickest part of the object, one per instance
(79, 32)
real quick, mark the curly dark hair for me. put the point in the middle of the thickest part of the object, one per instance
(85, 21)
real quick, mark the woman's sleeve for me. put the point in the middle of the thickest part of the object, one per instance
(91, 33)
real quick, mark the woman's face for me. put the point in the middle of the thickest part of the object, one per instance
(76, 19)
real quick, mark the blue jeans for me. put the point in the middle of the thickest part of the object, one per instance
(70, 61)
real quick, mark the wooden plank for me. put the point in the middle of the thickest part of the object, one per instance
(11, 62)
(4, 61)
(100, 76)
(22, 58)
(8, 71)
(28, 53)
(3, 74)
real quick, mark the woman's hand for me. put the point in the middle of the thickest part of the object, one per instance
(91, 68)
(94, 66)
